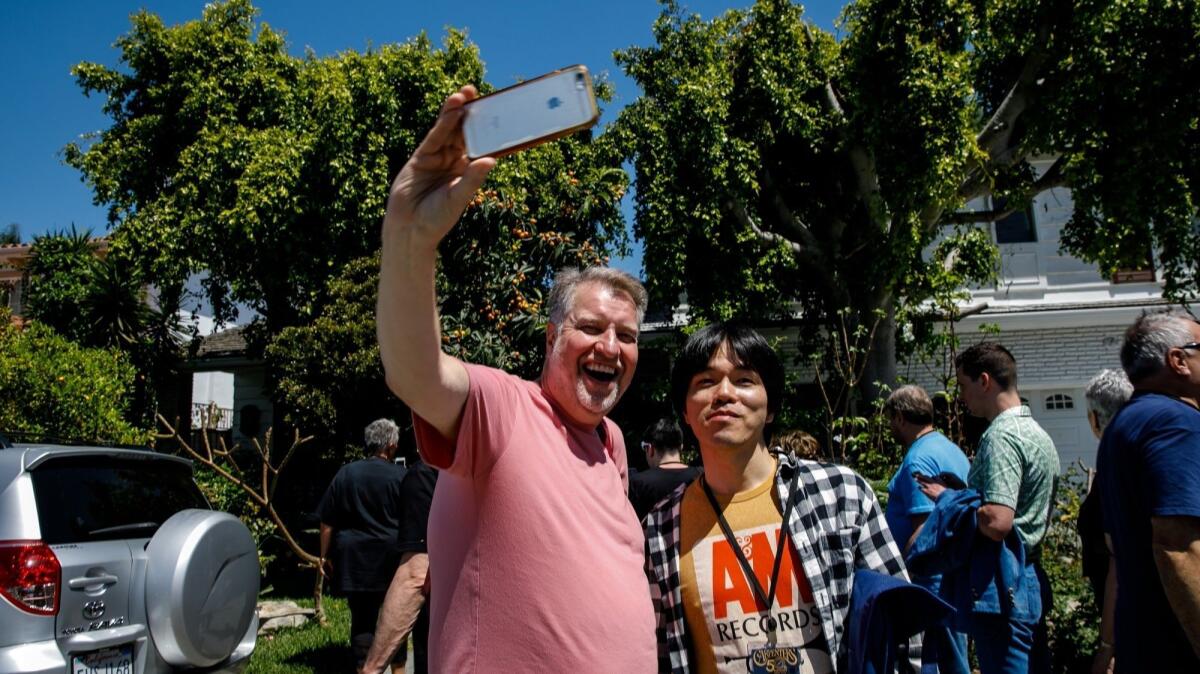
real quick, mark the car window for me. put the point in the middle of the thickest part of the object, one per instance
(89, 498)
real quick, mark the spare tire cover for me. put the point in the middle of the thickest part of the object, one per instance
(201, 586)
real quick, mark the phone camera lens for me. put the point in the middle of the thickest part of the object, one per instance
(579, 82)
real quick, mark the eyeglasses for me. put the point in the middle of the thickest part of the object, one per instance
(1189, 345)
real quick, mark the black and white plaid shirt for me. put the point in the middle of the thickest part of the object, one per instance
(836, 527)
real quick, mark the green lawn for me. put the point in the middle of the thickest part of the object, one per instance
(311, 649)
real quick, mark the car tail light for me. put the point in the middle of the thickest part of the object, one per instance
(30, 576)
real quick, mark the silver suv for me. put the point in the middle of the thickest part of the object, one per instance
(112, 562)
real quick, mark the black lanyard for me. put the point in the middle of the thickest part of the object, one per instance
(766, 597)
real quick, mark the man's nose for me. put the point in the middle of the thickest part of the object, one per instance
(608, 344)
(725, 391)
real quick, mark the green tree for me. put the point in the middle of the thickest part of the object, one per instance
(50, 387)
(10, 234)
(776, 163)
(227, 154)
(271, 172)
(495, 269)
(97, 299)
(59, 268)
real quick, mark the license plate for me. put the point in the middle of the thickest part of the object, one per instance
(115, 660)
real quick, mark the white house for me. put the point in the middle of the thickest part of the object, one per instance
(1062, 320)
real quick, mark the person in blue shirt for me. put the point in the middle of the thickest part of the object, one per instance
(1148, 469)
(928, 452)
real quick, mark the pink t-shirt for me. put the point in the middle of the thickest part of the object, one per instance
(536, 558)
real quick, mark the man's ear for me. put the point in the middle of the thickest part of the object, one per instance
(985, 381)
(1178, 362)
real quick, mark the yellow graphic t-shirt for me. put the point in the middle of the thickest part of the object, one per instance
(724, 617)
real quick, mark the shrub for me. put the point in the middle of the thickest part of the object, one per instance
(51, 387)
(1074, 619)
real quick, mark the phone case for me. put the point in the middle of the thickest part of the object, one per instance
(536, 111)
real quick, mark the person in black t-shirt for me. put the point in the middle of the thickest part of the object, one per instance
(662, 442)
(360, 519)
(406, 607)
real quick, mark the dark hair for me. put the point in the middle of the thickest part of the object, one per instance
(664, 434)
(991, 358)
(746, 348)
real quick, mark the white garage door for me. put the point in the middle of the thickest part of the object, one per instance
(1063, 413)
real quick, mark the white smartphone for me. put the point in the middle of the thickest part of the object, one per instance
(532, 112)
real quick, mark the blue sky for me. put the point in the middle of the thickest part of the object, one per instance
(44, 109)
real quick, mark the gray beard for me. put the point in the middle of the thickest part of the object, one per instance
(600, 406)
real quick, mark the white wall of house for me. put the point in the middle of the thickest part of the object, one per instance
(1060, 317)
(214, 387)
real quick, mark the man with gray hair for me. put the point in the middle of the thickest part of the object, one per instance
(1106, 394)
(1148, 471)
(534, 550)
(931, 454)
(360, 518)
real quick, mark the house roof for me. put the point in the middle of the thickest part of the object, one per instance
(229, 342)
(1036, 307)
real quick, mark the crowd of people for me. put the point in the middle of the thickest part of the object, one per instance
(522, 541)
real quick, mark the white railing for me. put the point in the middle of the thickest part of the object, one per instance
(208, 416)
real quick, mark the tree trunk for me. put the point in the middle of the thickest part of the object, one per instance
(881, 367)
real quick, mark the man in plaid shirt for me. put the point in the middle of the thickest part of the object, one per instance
(742, 574)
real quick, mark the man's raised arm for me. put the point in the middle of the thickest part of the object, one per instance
(427, 198)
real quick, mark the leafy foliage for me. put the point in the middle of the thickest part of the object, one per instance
(1074, 618)
(494, 274)
(271, 172)
(51, 387)
(329, 374)
(97, 299)
(59, 268)
(10, 234)
(777, 164)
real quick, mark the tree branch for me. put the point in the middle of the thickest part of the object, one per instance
(830, 100)
(1051, 178)
(866, 176)
(738, 211)
(996, 136)
(969, 217)
(785, 214)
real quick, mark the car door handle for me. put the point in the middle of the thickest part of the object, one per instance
(91, 581)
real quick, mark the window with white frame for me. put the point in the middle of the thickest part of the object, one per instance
(1060, 401)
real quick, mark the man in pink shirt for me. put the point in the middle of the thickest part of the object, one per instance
(535, 554)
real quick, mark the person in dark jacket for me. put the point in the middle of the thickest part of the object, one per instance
(360, 519)
(1106, 393)
(663, 444)
(406, 607)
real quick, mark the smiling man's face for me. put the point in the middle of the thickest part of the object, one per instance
(591, 357)
(727, 404)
